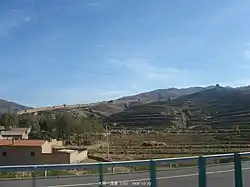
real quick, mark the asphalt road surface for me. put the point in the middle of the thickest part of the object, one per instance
(217, 176)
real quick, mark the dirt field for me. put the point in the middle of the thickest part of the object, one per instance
(164, 145)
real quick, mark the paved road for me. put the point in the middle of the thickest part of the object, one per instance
(217, 176)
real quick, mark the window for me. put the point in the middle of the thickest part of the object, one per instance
(4, 153)
(32, 154)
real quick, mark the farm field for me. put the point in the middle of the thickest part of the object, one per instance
(165, 145)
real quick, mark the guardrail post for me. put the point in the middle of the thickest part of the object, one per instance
(113, 169)
(100, 175)
(153, 173)
(33, 178)
(237, 170)
(45, 173)
(202, 171)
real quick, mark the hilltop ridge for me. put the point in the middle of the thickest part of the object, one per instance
(118, 105)
(212, 108)
(6, 106)
(195, 107)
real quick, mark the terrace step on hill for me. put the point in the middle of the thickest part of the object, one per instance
(218, 107)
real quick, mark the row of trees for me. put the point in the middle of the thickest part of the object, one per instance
(60, 126)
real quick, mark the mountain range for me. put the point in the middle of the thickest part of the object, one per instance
(216, 107)
(192, 108)
(118, 105)
(6, 106)
(163, 94)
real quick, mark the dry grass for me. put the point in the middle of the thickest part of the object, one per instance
(129, 146)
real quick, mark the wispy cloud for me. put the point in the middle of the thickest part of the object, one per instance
(13, 19)
(247, 54)
(143, 72)
(54, 96)
(93, 3)
(247, 51)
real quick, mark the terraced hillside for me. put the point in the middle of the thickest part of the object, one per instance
(218, 107)
(212, 107)
(106, 108)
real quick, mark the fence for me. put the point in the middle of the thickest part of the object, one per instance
(201, 160)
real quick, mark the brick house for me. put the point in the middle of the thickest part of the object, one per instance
(27, 152)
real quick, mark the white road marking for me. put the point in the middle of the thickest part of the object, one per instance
(147, 179)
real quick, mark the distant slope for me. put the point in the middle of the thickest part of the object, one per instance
(216, 107)
(197, 107)
(163, 94)
(107, 108)
(10, 106)
(122, 104)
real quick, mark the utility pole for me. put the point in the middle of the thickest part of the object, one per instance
(107, 134)
(107, 138)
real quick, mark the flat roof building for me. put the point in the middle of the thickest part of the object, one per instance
(26, 152)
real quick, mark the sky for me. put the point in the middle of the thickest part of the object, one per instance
(81, 51)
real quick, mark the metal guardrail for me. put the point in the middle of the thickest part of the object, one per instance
(201, 160)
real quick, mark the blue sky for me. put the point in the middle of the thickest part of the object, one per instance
(80, 51)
